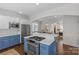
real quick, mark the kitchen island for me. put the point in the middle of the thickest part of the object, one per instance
(47, 46)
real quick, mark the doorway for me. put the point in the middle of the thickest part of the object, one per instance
(25, 31)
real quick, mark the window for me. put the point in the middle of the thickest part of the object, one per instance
(34, 27)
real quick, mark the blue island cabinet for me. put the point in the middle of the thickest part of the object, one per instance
(9, 41)
(48, 49)
(25, 45)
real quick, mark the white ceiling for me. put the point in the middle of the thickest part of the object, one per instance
(31, 9)
(51, 19)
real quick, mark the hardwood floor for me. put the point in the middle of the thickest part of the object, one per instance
(70, 50)
(20, 49)
(62, 49)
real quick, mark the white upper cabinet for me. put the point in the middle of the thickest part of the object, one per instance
(5, 20)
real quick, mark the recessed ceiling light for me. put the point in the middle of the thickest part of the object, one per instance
(37, 4)
(20, 12)
(55, 16)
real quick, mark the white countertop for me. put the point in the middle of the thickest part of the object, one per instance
(49, 38)
(5, 35)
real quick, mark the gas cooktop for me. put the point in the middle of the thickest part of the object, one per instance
(37, 38)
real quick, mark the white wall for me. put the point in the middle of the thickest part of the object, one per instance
(12, 17)
(70, 30)
(7, 31)
(25, 21)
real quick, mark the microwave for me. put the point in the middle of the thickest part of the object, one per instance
(13, 25)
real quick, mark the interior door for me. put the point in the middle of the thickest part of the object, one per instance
(25, 31)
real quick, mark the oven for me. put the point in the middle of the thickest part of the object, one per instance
(33, 47)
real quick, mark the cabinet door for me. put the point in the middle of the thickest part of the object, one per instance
(15, 39)
(48, 50)
(8, 41)
(44, 49)
(25, 45)
(12, 41)
(4, 42)
(4, 22)
(53, 48)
